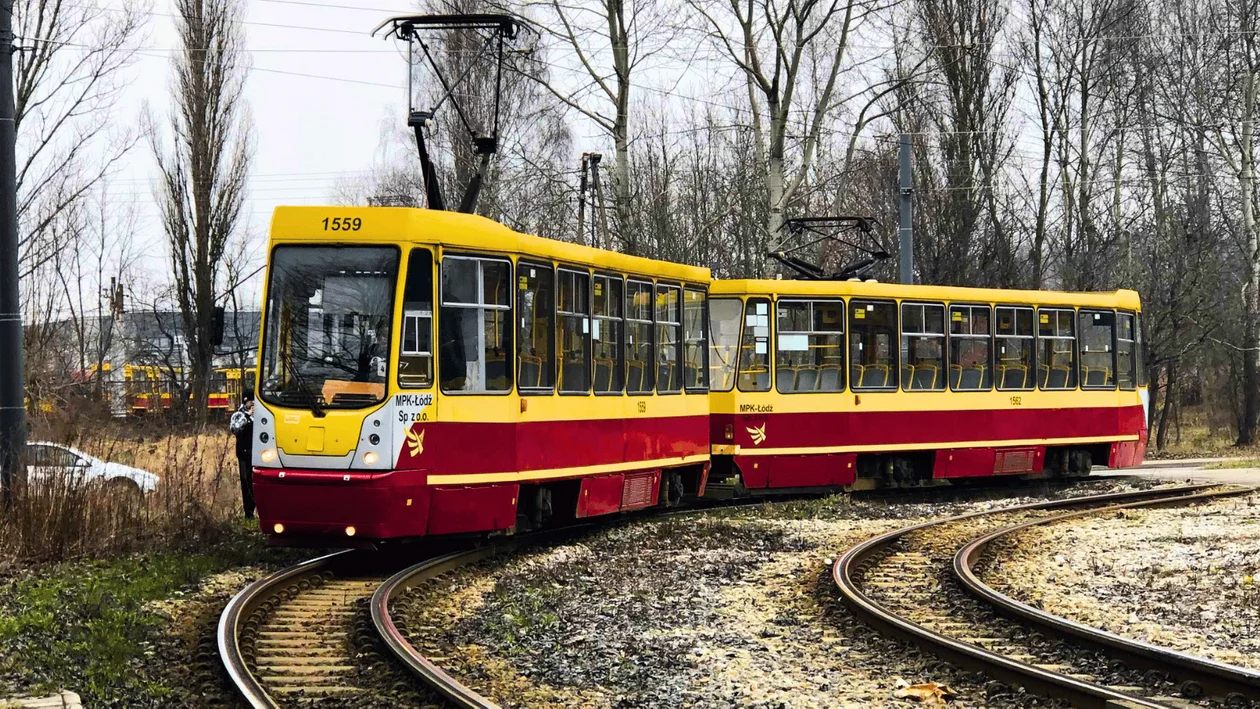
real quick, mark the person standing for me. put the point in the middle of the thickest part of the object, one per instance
(242, 426)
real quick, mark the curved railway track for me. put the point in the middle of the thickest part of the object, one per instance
(919, 583)
(284, 636)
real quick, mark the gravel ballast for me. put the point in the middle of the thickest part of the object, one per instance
(725, 608)
(1187, 578)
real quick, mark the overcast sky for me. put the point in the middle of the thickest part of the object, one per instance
(319, 92)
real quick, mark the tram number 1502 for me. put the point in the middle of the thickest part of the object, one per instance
(342, 223)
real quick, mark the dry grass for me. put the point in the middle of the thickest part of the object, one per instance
(197, 497)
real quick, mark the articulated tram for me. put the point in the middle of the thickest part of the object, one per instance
(426, 372)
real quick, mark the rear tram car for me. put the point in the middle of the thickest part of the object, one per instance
(818, 384)
(428, 372)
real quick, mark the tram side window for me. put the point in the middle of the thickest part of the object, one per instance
(606, 332)
(1056, 354)
(970, 348)
(574, 306)
(724, 317)
(872, 345)
(922, 347)
(810, 352)
(1016, 368)
(475, 325)
(1098, 367)
(668, 334)
(415, 356)
(640, 375)
(695, 346)
(1125, 352)
(754, 347)
(535, 301)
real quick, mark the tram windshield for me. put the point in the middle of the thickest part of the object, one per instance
(329, 309)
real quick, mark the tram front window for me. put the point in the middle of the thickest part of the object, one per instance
(326, 343)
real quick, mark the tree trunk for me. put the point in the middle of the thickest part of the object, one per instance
(1251, 318)
(1170, 392)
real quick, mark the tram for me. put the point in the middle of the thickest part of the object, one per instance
(424, 372)
(854, 384)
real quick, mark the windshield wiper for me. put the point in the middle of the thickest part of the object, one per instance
(314, 399)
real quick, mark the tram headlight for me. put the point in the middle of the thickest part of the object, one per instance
(350, 531)
(268, 455)
(374, 439)
(279, 528)
(370, 458)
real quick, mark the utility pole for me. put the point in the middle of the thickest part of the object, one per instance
(905, 233)
(582, 202)
(603, 242)
(12, 399)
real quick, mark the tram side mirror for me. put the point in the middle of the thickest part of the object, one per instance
(217, 327)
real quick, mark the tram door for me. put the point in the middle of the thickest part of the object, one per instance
(416, 402)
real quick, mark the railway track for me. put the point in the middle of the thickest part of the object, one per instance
(283, 638)
(919, 583)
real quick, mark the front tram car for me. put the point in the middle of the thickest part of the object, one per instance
(426, 372)
(818, 384)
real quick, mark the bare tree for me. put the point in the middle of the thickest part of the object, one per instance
(610, 41)
(1233, 135)
(203, 175)
(791, 56)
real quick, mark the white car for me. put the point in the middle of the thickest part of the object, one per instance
(47, 461)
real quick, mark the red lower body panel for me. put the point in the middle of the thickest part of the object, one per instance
(324, 503)
(403, 503)
(825, 470)
(482, 508)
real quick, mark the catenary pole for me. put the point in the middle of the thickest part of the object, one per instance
(12, 400)
(905, 233)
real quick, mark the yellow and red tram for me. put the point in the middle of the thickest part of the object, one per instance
(850, 383)
(427, 372)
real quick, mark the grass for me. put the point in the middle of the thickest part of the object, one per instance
(90, 625)
(1234, 464)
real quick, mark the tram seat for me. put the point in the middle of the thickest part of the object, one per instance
(497, 372)
(872, 375)
(924, 377)
(1058, 377)
(829, 377)
(907, 375)
(1096, 376)
(1013, 376)
(969, 378)
(787, 377)
(573, 377)
(1043, 376)
(667, 376)
(603, 374)
(806, 378)
(531, 371)
(634, 376)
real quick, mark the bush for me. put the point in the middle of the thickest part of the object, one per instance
(197, 497)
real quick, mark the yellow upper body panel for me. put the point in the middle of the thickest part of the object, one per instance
(458, 232)
(1125, 299)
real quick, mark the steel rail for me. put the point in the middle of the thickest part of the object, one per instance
(1212, 677)
(1086, 695)
(452, 689)
(444, 684)
(238, 613)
